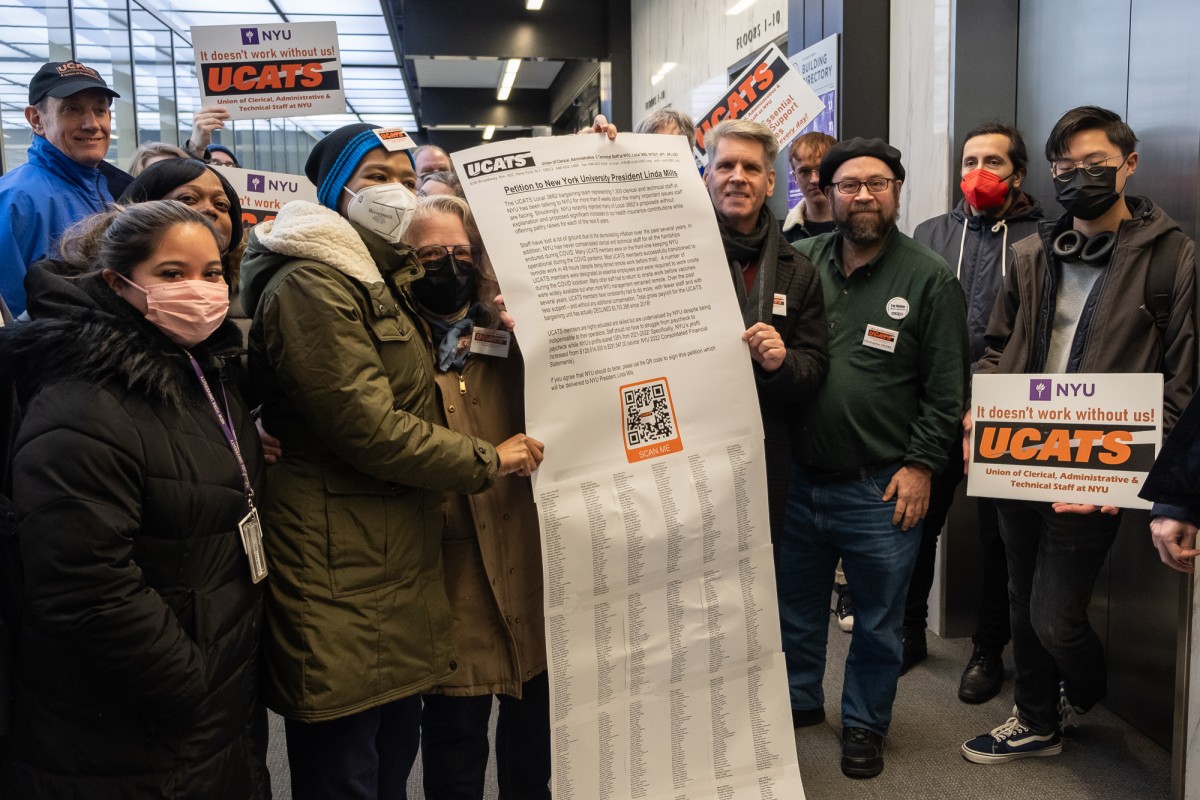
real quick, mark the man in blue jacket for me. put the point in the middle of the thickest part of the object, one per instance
(65, 178)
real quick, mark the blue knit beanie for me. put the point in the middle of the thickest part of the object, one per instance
(334, 159)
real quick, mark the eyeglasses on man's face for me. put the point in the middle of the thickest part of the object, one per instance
(874, 185)
(1064, 170)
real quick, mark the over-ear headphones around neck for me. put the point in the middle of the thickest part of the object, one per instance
(1071, 245)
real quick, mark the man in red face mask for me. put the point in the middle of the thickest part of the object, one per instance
(974, 239)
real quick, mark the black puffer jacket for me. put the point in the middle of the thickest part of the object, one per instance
(137, 671)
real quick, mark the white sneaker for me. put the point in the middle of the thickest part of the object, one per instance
(844, 610)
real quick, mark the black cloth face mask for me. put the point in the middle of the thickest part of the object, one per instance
(447, 287)
(1087, 196)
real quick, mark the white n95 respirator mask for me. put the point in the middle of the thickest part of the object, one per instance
(385, 209)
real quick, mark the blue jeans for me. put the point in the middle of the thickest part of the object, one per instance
(846, 520)
(1053, 561)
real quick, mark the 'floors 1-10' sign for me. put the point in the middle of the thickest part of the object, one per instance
(1073, 438)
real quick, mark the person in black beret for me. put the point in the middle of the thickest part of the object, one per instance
(865, 447)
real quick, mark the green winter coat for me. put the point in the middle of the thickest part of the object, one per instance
(357, 614)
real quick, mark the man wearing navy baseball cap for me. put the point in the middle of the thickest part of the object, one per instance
(65, 178)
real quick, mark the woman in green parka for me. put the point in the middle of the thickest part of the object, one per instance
(358, 623)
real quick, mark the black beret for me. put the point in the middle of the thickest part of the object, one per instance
(857, 147)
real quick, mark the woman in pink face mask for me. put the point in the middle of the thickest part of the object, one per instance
(135, 476)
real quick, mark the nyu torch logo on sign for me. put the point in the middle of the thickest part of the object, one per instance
(1078, 438)
(770, 91)
(262, 194)
(279, 70)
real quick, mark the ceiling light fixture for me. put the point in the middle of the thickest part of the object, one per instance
(488, 132)
(739, 7)
(507, 79)
(533, 5)
(662, 73)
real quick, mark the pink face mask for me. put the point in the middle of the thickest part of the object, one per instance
(186, 311)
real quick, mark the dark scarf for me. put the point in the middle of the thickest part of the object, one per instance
(761, 246)
(746, 247)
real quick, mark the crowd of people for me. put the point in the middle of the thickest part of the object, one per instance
(335, 520)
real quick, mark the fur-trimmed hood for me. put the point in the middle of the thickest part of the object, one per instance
(308, 232)
(82, 330)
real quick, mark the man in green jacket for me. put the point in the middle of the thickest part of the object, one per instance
(868, 444)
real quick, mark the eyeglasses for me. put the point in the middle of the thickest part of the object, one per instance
(1063, 171)
(874, 185)
(464, 254)
(801, 172)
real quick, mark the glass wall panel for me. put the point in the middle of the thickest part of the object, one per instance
(150, 63)
(102, 41)
(34, 32)
(153, 78)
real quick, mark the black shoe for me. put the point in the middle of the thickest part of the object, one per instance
(862, 753)
(983, 677)
(915, 650)
(808, 717)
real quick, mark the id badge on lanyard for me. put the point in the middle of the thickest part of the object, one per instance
(249, 526)
(251, 532)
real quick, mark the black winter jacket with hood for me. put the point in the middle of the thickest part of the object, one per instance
(137, 666)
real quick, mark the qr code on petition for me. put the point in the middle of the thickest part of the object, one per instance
(648, 414)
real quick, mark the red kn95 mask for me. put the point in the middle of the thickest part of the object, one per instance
(984, 190)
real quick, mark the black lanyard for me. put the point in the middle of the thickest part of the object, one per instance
(226, 428)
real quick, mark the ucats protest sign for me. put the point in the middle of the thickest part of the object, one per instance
(770, 91)
(262, 194)
(277, 70)
(1073, 438)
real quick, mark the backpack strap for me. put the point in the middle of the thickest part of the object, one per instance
(1160, 280)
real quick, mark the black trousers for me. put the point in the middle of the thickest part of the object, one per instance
(365, 756)
(992, 629)
(454, 746)
(1053, 561)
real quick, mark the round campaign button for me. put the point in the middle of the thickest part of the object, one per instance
(897, 308)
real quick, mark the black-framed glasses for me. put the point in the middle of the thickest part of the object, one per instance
(1063, 171)
(874, 185)
(464, 255)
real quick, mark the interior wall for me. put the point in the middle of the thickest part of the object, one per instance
(919, 117)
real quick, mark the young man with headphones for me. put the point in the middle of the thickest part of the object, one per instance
(1077, 299)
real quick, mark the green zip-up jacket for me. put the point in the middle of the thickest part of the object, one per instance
(352, 515)
(899, 401)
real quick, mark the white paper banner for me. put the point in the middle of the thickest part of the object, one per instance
(667, 677)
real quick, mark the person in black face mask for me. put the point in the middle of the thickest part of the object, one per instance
(491, 545)
(1075, 300)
